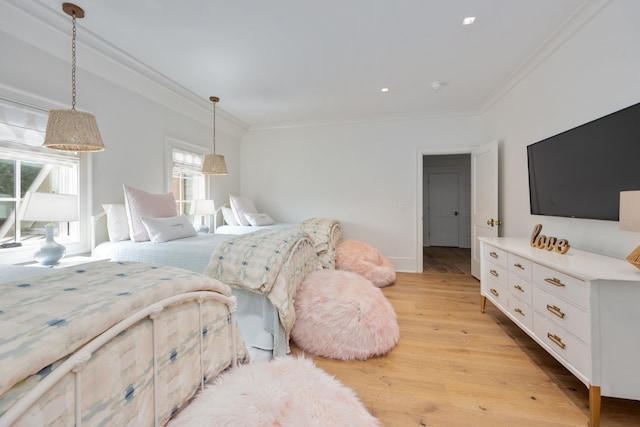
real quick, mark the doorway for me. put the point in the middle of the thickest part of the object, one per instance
(446, 221)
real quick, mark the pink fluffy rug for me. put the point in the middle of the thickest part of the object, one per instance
(341, 315)
(360, 258)
(283, 392)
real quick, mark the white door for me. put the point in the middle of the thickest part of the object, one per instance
(444, 215)
(484, 199)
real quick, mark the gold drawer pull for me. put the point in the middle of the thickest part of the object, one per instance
(556, 340)
(493, 254)
(518, 287)
(494, 273)
(519, 311)
(494, 292)
(518, 265)
(555, 310)
(554, 282)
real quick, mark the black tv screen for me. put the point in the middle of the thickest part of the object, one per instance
(580, 173)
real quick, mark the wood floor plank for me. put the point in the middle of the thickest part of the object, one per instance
(455, 366)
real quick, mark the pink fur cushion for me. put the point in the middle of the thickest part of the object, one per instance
(341, 315)
(360, 258)
(285, 391)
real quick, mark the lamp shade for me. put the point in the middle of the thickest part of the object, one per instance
(50, 207)
(214, 164)
(72, 130)
(630, 210)
(202, 207)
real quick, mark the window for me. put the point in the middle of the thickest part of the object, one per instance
(22, 172)
(26, 166)
(187, 182)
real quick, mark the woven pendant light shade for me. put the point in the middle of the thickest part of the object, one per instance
(72, 130)
(214, 165)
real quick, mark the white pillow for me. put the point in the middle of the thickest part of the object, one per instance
(259, 219)
(165, 229)
(240, 206)
(117, 223)
(142, 204)
(227, 214)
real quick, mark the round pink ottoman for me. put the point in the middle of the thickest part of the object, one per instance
(341, 315)
(360, 258)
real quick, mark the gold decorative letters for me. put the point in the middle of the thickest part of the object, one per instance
(549, 243)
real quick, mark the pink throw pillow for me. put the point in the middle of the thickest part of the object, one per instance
(142, 204)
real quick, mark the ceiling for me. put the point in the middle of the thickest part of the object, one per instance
(292, 62)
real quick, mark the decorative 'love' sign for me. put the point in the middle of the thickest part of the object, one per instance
(549, 243)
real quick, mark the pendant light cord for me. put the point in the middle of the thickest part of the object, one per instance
(73, 63)
(214, 127)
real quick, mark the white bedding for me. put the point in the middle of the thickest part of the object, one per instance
(190, 253)
(243, 229)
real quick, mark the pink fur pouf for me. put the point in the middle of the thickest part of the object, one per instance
(358, 257)
(341, 315)
(285, 391)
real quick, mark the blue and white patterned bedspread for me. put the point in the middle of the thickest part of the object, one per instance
(45, 318)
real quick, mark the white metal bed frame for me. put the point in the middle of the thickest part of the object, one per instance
(78, 361)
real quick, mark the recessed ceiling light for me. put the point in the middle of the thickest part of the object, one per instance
(468, 20)
(384, 89)
(437, 85)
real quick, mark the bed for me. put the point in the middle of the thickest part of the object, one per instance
(110, 343)
(239, 216)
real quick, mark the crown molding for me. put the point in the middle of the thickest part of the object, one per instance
(589, 10)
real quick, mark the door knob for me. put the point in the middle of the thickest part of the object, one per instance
(456, 213)
(493, 222)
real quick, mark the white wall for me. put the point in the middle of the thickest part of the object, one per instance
(135, 114)
(594, 73)
(365, 175)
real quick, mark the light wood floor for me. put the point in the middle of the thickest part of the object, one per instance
(455, 366)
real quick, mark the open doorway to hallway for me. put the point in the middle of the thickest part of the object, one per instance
(446, 213)
(446, 260)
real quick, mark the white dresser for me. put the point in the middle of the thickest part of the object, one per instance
(582, 308)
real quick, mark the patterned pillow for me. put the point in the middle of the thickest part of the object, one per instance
(166, 229)
(142, 204)
(240, 206)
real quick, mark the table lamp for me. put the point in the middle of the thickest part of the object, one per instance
(202, 207)
(630, 220)
(50, 207)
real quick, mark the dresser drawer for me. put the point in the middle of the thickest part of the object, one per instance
(520, 266)
(495, 274)
(497, 294)
(522, 312)
(521, 288)
(567, 287)
(571, 318)
(496, 256)
(563, 344)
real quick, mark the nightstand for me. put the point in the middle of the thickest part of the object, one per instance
(71, 261)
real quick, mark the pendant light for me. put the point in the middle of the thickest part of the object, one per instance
(214, 163)
(72, 130)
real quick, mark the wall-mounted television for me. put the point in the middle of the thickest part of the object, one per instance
(580, 173)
